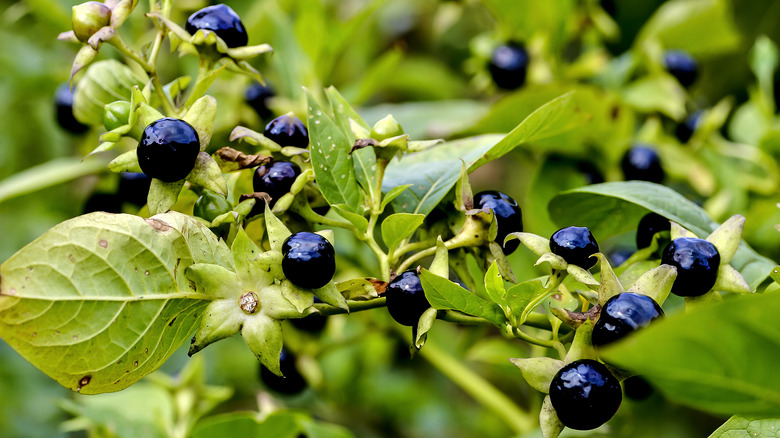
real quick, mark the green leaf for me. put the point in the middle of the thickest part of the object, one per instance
(750, 427)
(109, 295)
(392, 194)
(494, 285)
(49, 174)
(246, 424)
(519, 296)
(332, 163)
(359, 221)
(660, 93)
(556, 117)
(616, 207)
(445, 295)
(399, 226)
(720, 358)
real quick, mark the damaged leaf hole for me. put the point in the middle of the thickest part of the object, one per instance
(248, 302)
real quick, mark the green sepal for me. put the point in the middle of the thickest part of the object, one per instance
(277, 232)
(582, 275)
(116, 115)
(272, 302)
(727, 237)
(201, 116)
(327, 234)
(421, 145)
(538, 372)
(582, 346)
(254, 138)
(214, 280)
(250, 268)
(538, 244)
(678, 231)
(503, 264)
(127, 162)
(163, 195)
(291, 151)
(385, 128)
(248, 52)
(103, 34)
(424, 325)
(464, 197)
(102, 147)
(263, 335)
(549, 422)
(358, 130)
(120, 11)
(145, 115)
(730, 280)
(656, 283)
(440, 264)
(222, 319)
(177, 87)
(556, 262)
(609, 285)
(357, 289)
(329, 294)
(271, 262)
(83, 58)
(300, 182)
(207, 174)
(299, 298)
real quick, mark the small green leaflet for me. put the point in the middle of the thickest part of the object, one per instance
(332, 163)
(101, 300)
(444, 295)
(399, 226)
(719, 358)
(742, 427)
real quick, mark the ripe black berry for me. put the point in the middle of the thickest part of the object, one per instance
(575, 245)
(637, 388)
(292, 382)
(585, 394)
(642, 163)
(63, 103)
(686, 129)
(509, 65)
(509, 218)
(168, 149)
(257, 95)
(649, 225)
(618, 256)
(406, 300)
(106, 202)
(223, 21)
(697, 262)
(287, 130)
(313, 323)
(309, 260)
(682, 66)
(134, 187)
(623, 314)
(275, 179)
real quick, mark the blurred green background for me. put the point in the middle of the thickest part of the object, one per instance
(425, 61)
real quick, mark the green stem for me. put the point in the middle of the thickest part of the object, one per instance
(376, 210)
(354, 306)
(149, 69)
(519, 334)
(552, 283)
(301, 208)
(408, 247)
(478, 388)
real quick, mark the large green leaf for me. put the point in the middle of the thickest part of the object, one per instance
(444, 294)
(246, 424)
(330, 158)
(101, 300)
(741, 427)
(616, 207)
(720, 358)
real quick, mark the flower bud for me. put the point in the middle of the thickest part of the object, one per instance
(386, 128)
(88, 18)
(116, 114)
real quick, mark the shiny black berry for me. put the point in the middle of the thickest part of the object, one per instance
(585, 394)
(134, 187)
(642, 163)
(63, 103)
(575, 245)
(309, 260)
(649, 225)
(292, 383)
(105, 202)
(637, 388)
(509, 218)
(257, 95)
(168, 149)
(508, 66)
(275, 178)
(313, 323)
(682, 66)
(287, 130)
(223, 21)
(406, 300)
(686, 129)
(618, 256)
(623, 314)
(697, 262)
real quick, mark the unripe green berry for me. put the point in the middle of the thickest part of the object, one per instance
(116, 114)
(386, 128)
(88, 18)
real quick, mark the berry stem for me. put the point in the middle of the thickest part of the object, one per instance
(150, 69)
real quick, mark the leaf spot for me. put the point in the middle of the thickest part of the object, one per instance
(103, 243)
(135, 364)
(146, 273)
(248, 302)
(158, 225)
(71, 258)
(83, 382)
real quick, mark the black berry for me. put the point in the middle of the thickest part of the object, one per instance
(686, 129)
(585, 394)
(642, 163)
(509, 65)
(134, 187)
(622, 314)
(406, 300)
(509, 218)
(257, 95)
(618, 256)
(575, 245)
(168, 149)
(309, 260)
(292, 382)
(697, 262)
(106, 202)
(275, 179)
(649, 225)
(287, 130)
(682, 66)
(637, 388)
(63, 103)
(313, 323)
(223, 21)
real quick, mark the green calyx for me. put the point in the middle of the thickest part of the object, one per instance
(88, 18)
(386, 128)
(116, 114)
